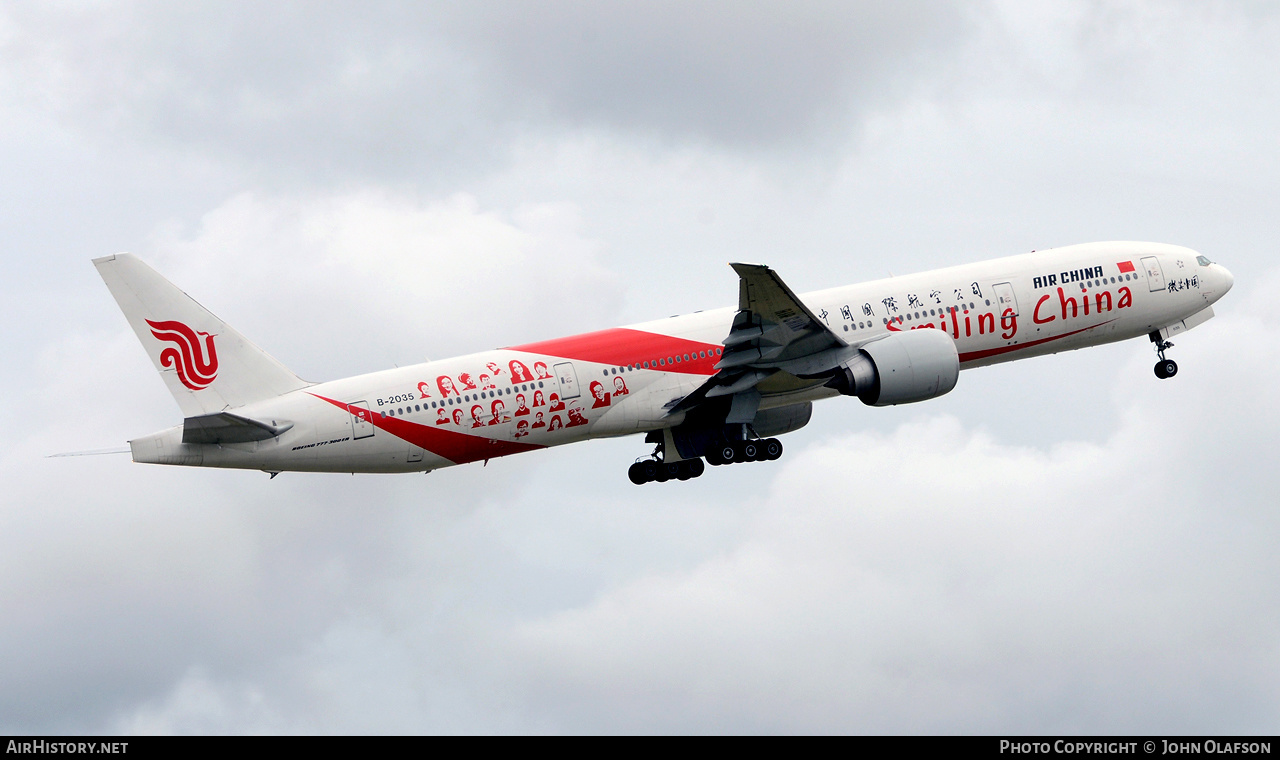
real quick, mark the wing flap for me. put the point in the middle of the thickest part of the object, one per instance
(773, 332)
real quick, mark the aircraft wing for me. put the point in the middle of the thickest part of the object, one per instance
(775, 338)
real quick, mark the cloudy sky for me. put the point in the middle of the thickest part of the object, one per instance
(1060, 545)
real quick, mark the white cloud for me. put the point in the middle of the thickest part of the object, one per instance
(934, 579)
(153, 577)
(198, 706)
(356, 281)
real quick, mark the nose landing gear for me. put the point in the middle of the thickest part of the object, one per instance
(1165, 368)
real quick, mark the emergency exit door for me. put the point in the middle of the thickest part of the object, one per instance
(568, 379)
(1155, 275)
(1005, 300)
(361, 426)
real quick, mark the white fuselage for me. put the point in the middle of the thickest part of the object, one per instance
(622, 381)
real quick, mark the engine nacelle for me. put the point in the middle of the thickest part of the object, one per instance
(915, 365)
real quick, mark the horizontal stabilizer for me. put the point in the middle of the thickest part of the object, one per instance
(226, 427)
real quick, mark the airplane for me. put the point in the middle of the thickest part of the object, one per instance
(713, 387)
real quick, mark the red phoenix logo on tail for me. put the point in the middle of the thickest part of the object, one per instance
(195, 370)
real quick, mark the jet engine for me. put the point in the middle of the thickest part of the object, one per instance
(904, 367)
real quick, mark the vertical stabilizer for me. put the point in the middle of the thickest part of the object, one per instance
(207, 364)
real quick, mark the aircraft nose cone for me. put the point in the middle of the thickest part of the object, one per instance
(1225, 277)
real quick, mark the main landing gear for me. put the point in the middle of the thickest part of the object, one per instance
(734, 452)
(1165, 368)
(649, 470)
(726, 452)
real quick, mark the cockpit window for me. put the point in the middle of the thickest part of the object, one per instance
(1203, 261)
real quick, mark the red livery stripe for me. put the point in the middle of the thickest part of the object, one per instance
(970, 356)
(621, 347)
(456, 447)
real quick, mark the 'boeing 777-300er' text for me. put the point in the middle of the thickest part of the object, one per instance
(715, 385)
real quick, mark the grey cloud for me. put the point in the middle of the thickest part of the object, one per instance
(289, 90)
(411, 90)
(752, 73)
(936, 580)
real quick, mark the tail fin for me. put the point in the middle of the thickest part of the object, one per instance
(208, 366)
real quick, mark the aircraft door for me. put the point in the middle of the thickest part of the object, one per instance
(1155, 275)
(1005, 299)
(568, 380)
(361, 427)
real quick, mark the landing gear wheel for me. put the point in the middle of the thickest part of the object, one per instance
(650, 470)
(670, 471)
(772, 449)
(682, 470)
(727, 453)
(696, 468)
(636, 474)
